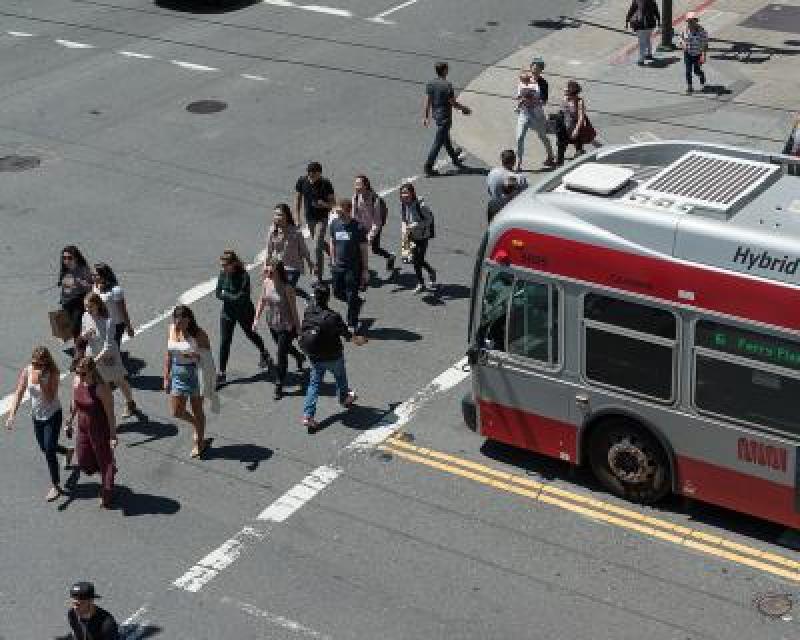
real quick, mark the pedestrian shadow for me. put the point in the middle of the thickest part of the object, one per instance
(133, 365)
(393, 333)
(716, 89)
(132, 503)
(205, 6)
(127, 501)
(541, 467)
(662, 63)
(747, 52)
(152, 429)
(250, 455)
(404, 281)
(261, 376)
(358, 417)
(147, 383)
(139, 631)
(562, 22)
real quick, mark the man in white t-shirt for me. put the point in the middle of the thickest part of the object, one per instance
(497, 176)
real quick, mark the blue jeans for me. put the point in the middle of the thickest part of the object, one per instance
(692, 63)
(318, 369)
(442, 139)
(47, 432)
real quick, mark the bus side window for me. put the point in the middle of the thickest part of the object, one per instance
(533, 324)
(491, 333)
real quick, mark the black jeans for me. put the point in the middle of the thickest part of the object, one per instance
(226, 327)
(47, 432)
(346, 283)
(692, 63)
(284, 341)
(418, 250)
(376, 247)
(442, 139)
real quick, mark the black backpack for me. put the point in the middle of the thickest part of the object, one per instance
(312, 332)
(431, 220)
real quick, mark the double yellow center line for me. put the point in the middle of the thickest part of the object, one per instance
(597, 509)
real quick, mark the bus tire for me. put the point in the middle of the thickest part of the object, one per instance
(629, 461)
(469, 411)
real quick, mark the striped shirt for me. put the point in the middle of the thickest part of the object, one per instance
(695, 42)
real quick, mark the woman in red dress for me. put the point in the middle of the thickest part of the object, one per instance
(97, 433)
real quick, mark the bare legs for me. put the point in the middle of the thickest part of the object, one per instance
(196, 417)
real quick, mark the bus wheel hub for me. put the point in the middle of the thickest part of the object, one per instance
(628, 462)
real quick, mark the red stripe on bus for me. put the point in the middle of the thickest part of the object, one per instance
(694, 478)
(702, 288)
(528, 431)
(737, 491)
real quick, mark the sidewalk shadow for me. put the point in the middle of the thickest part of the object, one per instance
(597, 25)
(550, 469)
(250, 455)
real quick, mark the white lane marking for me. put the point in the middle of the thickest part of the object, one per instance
(20, 34)
(644, 136)
(204, 571)
(380, 17)
(278, 621)
(300, 494)
(250, 76)
(71, 44)
(333, 11)
(209, 567)
(192, 66)
(136, 54)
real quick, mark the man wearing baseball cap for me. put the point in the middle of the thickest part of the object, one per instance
(86, 620)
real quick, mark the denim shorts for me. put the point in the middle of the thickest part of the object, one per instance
(184, 380)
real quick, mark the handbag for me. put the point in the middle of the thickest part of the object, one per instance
(587, 133)
(60, 324)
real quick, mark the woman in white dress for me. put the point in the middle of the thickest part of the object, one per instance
(97, 330)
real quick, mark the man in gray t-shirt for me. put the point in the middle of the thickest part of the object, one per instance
(439, 102)
(497, 176)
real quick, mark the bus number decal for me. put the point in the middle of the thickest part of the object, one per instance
(764, 455)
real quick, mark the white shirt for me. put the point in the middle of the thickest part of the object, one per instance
(113, 299)
(497, 177)
(41, 408)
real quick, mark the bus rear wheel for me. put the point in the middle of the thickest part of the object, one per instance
(629, 462)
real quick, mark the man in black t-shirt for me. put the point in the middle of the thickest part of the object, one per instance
(440, 100)
(315, 194)
(87, 621)
(349, 267)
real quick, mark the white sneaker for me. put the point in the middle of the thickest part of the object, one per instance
(350, 399)
(419, 289)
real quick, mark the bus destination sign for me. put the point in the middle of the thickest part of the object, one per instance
(748, 344)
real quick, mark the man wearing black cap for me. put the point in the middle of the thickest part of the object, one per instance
(87, 621)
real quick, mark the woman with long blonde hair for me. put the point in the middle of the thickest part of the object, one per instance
(40, 379)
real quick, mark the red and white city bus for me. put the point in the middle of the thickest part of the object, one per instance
(639, 312)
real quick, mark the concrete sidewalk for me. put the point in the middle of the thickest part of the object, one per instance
(752, 80)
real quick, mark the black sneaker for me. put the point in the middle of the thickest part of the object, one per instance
(431, 172)
(390, 263)
(278, 393)
(221, 380)
(459, 152)
(689, 90)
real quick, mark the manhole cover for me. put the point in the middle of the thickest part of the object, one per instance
(774, 605)
(206, 106)
(19, 163)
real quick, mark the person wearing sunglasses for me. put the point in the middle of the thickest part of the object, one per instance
(40, 379)
(75, 281)
(96, 436)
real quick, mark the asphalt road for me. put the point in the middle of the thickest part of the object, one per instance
(391, 547)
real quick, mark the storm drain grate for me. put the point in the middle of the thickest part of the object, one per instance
(774, 605)
(19, 163)
(206, 106)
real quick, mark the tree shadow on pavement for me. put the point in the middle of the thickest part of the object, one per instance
(549, 469)
(250, 455)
